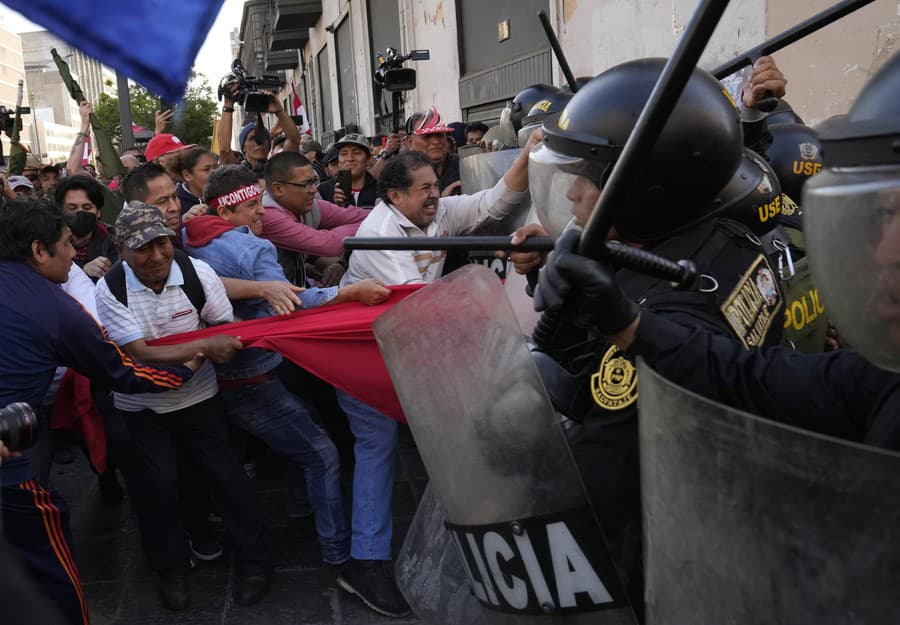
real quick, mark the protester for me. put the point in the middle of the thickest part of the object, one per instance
(154, 292)
(302, 226)
(426, 133)
(255, 398)
(410, 206)
(165, 149)
(81, 197)
(43, 328)
(22, 187)
(353, 157)
(254, 142)
(195, 165)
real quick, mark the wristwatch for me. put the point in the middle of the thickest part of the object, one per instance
(385, 155)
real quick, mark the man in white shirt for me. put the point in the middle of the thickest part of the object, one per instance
(157, 291)
(410, 206)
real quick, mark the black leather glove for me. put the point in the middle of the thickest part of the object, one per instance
(584, 290)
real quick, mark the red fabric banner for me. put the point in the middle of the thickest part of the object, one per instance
(335, 343)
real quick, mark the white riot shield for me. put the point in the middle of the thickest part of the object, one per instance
(751, 522)
(497, 458)
(483, 171)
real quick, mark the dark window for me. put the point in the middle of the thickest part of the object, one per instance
(384, 33)
(325, 90)
(346, 76)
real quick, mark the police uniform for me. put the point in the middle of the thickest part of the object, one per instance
(696, 180)
(595, 386)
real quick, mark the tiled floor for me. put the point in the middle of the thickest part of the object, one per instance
(120, 588)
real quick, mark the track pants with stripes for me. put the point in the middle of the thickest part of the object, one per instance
(36, 528)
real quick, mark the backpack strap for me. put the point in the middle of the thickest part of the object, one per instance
(192, 286)
(115, 280)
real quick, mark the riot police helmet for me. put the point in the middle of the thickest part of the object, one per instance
(542, 109)
(694, 156)
(515, 111)
(795, 155)
(753, 196)
(851, 220)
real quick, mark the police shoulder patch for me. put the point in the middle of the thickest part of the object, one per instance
(752, 305)
(614, 386)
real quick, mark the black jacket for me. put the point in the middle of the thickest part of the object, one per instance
(838, 393)
(368, 195)
(188, 200)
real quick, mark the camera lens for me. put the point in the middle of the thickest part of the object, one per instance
(18, 426)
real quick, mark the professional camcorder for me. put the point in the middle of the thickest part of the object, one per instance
(18, 426)
(391, 74)
(249, 88)
(7, 118)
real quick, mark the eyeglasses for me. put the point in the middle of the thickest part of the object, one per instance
(303, 185)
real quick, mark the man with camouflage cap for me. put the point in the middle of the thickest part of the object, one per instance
(156, 291)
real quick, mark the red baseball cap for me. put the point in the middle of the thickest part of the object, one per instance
(164, 143)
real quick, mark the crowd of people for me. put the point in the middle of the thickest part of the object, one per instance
(186, 239)
(93, 271)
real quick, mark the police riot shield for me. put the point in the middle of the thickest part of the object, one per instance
(482, 171)
(496, 456)
(430, 572)
(748, 521)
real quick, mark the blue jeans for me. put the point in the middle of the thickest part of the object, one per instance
(375, 450)
(282, 421)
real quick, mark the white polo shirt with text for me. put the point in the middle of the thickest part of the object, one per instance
(150, 316)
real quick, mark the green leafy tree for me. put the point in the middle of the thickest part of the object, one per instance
(194, 114)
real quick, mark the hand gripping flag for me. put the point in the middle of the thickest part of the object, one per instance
(333, 342)
(153, 42)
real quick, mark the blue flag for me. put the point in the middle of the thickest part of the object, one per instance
(153, 42)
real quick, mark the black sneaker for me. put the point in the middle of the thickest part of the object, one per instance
(373, 582)
(205, 548)
(174, 589)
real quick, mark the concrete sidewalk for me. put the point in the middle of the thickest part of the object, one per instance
(120, 589)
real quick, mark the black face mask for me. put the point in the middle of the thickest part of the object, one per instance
(82, 223)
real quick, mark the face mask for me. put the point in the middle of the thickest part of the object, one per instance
(82, 223)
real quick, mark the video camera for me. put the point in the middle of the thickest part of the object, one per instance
(391, 74)
(249, 88)
(7, 118)
(18, 426)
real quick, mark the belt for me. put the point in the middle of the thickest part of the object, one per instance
(242, 382)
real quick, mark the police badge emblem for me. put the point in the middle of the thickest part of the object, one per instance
(808, 151)
(788, 206)
(751, 307)
(614, 386)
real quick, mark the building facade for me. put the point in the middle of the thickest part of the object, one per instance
(483, 53)
(12, 70)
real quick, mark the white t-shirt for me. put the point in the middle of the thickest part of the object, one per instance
(150, 316)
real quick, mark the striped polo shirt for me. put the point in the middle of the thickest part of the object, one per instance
(150, 316)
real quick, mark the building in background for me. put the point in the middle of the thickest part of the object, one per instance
(483, 53)
(55, 114)
(12, 70)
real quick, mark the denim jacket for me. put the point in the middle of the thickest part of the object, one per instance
(238, 253)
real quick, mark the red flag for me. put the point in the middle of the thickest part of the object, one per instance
(335, 343)
(297, 109)
(87, 151)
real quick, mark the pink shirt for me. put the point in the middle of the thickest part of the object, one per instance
(285, 230)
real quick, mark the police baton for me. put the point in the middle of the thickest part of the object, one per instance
(623, 257)
(557, 51)
(784, 39)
